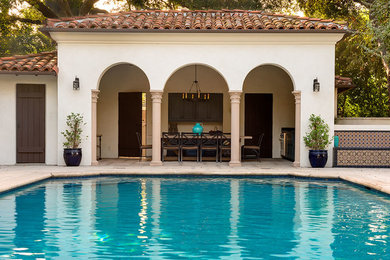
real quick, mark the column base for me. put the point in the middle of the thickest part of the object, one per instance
(94, 163)
(234, 164)
(296, 164)
(158, 163)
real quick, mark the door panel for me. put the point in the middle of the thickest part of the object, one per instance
(30, 123)
(258, 119)
(130, 122)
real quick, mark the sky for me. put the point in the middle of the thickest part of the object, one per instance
(111, 6)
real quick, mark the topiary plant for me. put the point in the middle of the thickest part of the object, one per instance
(318, 137)
(73, 135)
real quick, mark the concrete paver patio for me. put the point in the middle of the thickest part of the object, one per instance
(12, 177)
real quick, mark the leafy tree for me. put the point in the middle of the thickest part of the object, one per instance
(21, 38)
(268, 5)
(364, 55)
(318, 136)
(72, 135)
(19, 20)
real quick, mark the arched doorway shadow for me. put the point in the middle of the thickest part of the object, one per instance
(121, 110)
(183, 115)
(268, 107)
(195, 93)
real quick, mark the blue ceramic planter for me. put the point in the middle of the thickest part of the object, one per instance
(318, 158)
(197, 129)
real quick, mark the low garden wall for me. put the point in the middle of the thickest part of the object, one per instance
(362, 145)
(364, 122)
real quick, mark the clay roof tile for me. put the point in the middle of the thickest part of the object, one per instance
(41, 62)
(200, 20)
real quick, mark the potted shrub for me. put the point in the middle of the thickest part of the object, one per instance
(72, 152)
(317, 139)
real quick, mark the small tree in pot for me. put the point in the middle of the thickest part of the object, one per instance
(72, 152)
(317, 139)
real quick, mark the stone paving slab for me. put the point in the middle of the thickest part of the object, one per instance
(12, 177)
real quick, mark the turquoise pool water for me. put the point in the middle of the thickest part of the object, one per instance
(203, 218)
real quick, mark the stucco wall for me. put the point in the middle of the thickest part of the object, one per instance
(272, 80)
(367, 127)
(303, 56)
(8, 116)
(363, 121)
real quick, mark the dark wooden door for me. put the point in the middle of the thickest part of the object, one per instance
(130, 122)
(30, 123)
(258, 119)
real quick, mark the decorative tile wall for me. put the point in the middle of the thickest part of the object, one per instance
(363, 139)
(362, 158)
(362, 149)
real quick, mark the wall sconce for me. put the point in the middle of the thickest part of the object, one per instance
(316, 85)
(76, 83)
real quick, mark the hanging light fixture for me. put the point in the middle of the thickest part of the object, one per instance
(194, 93)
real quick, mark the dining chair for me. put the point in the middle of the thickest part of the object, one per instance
(170, 142)
(189, 142)
(224, 145)
(141, 146)
(254, 149)
(209, 142)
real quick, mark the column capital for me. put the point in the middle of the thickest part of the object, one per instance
(235, 96)
(95, 95)
(297, 95)
(156, 95)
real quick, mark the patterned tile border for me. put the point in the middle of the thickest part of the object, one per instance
(363, 139)
(361, 157)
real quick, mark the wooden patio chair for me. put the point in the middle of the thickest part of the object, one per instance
(141, 146)
(189, 142)
(254, 149)
(170, 142)
(209, 142)
(224, 145)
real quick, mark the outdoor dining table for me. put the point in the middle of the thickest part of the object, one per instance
(244, 137)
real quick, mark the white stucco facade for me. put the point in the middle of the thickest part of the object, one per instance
(302, 56)
(232, 62)
(8, 116)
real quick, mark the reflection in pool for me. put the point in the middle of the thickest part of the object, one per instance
(207, 218)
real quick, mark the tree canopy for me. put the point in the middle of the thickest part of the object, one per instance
(363, 55)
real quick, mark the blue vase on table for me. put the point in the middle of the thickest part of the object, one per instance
(197, 129)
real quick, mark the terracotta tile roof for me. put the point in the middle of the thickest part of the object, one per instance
(41, 63)
(343, 84)
(211, 20)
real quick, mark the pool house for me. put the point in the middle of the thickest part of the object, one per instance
(240, 73)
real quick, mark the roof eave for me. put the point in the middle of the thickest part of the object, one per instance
(48, 30)
(34, 73)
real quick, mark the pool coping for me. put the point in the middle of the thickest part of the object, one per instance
(14, 177)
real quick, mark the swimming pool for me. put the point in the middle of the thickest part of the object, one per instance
(206, 218)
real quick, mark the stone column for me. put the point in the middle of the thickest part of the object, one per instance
(156, 127)
(95, 97)
(235, 128)
(297, 95)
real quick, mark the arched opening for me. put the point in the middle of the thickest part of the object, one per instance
(211, 111)
(184, 115)
(269, 108)
(121, 111)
